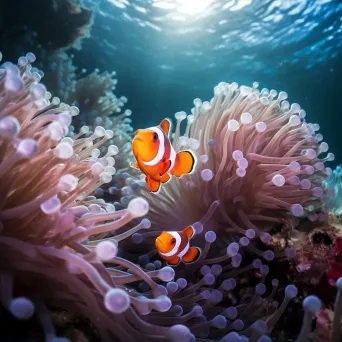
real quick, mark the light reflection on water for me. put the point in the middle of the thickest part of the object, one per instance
(167, 52)
(243, 31)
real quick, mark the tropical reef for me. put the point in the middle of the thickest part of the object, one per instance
(78, 236)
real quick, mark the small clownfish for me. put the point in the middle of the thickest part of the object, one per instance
(156, 157)
(174, 247)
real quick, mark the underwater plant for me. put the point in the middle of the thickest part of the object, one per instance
(47, 216)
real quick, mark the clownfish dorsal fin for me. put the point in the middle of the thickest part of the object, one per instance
(165, 125)
(189, 231)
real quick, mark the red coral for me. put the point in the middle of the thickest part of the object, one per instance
(324, 324)
(335, 262)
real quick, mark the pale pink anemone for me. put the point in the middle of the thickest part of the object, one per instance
(259, 167)
(256, 156)
(47, 214)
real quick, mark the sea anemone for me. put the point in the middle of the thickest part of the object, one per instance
(94, 96)
(333, 184)
(256, 155)
(259, 171)
(47, 214)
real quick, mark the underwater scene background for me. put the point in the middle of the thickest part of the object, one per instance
(246, 183)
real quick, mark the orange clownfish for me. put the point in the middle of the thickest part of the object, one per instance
(174, 246)
(156, 157)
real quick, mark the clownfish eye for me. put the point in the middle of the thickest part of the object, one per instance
(173, 241)
(155, 137)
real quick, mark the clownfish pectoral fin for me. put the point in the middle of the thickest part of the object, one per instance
(173, 261)
(165, 178)
(166, 167)
(184, 163)
(189, 231)
(153, 185)
(191, 255)
(135, 165)
(165, 126)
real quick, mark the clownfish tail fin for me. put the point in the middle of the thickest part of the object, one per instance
(184, 163)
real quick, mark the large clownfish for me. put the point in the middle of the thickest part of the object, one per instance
(156, 157)
(174, 247)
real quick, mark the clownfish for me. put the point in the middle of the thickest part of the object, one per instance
(174, 247)
(156, 157)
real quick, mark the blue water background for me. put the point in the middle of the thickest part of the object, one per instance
(168, 52)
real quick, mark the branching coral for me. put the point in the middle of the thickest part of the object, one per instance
(259, 168)
(59, 73)
(47, 216)
(94, 96)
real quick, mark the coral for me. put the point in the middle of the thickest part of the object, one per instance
(47, 214)
(60, 74)
(335, 262)
(93, 95)
(48, 23)
(324, 325)
(314, 244)
(333, 184)
(328, 323)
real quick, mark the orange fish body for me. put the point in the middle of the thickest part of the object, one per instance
(156, 157)
(174, 247)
